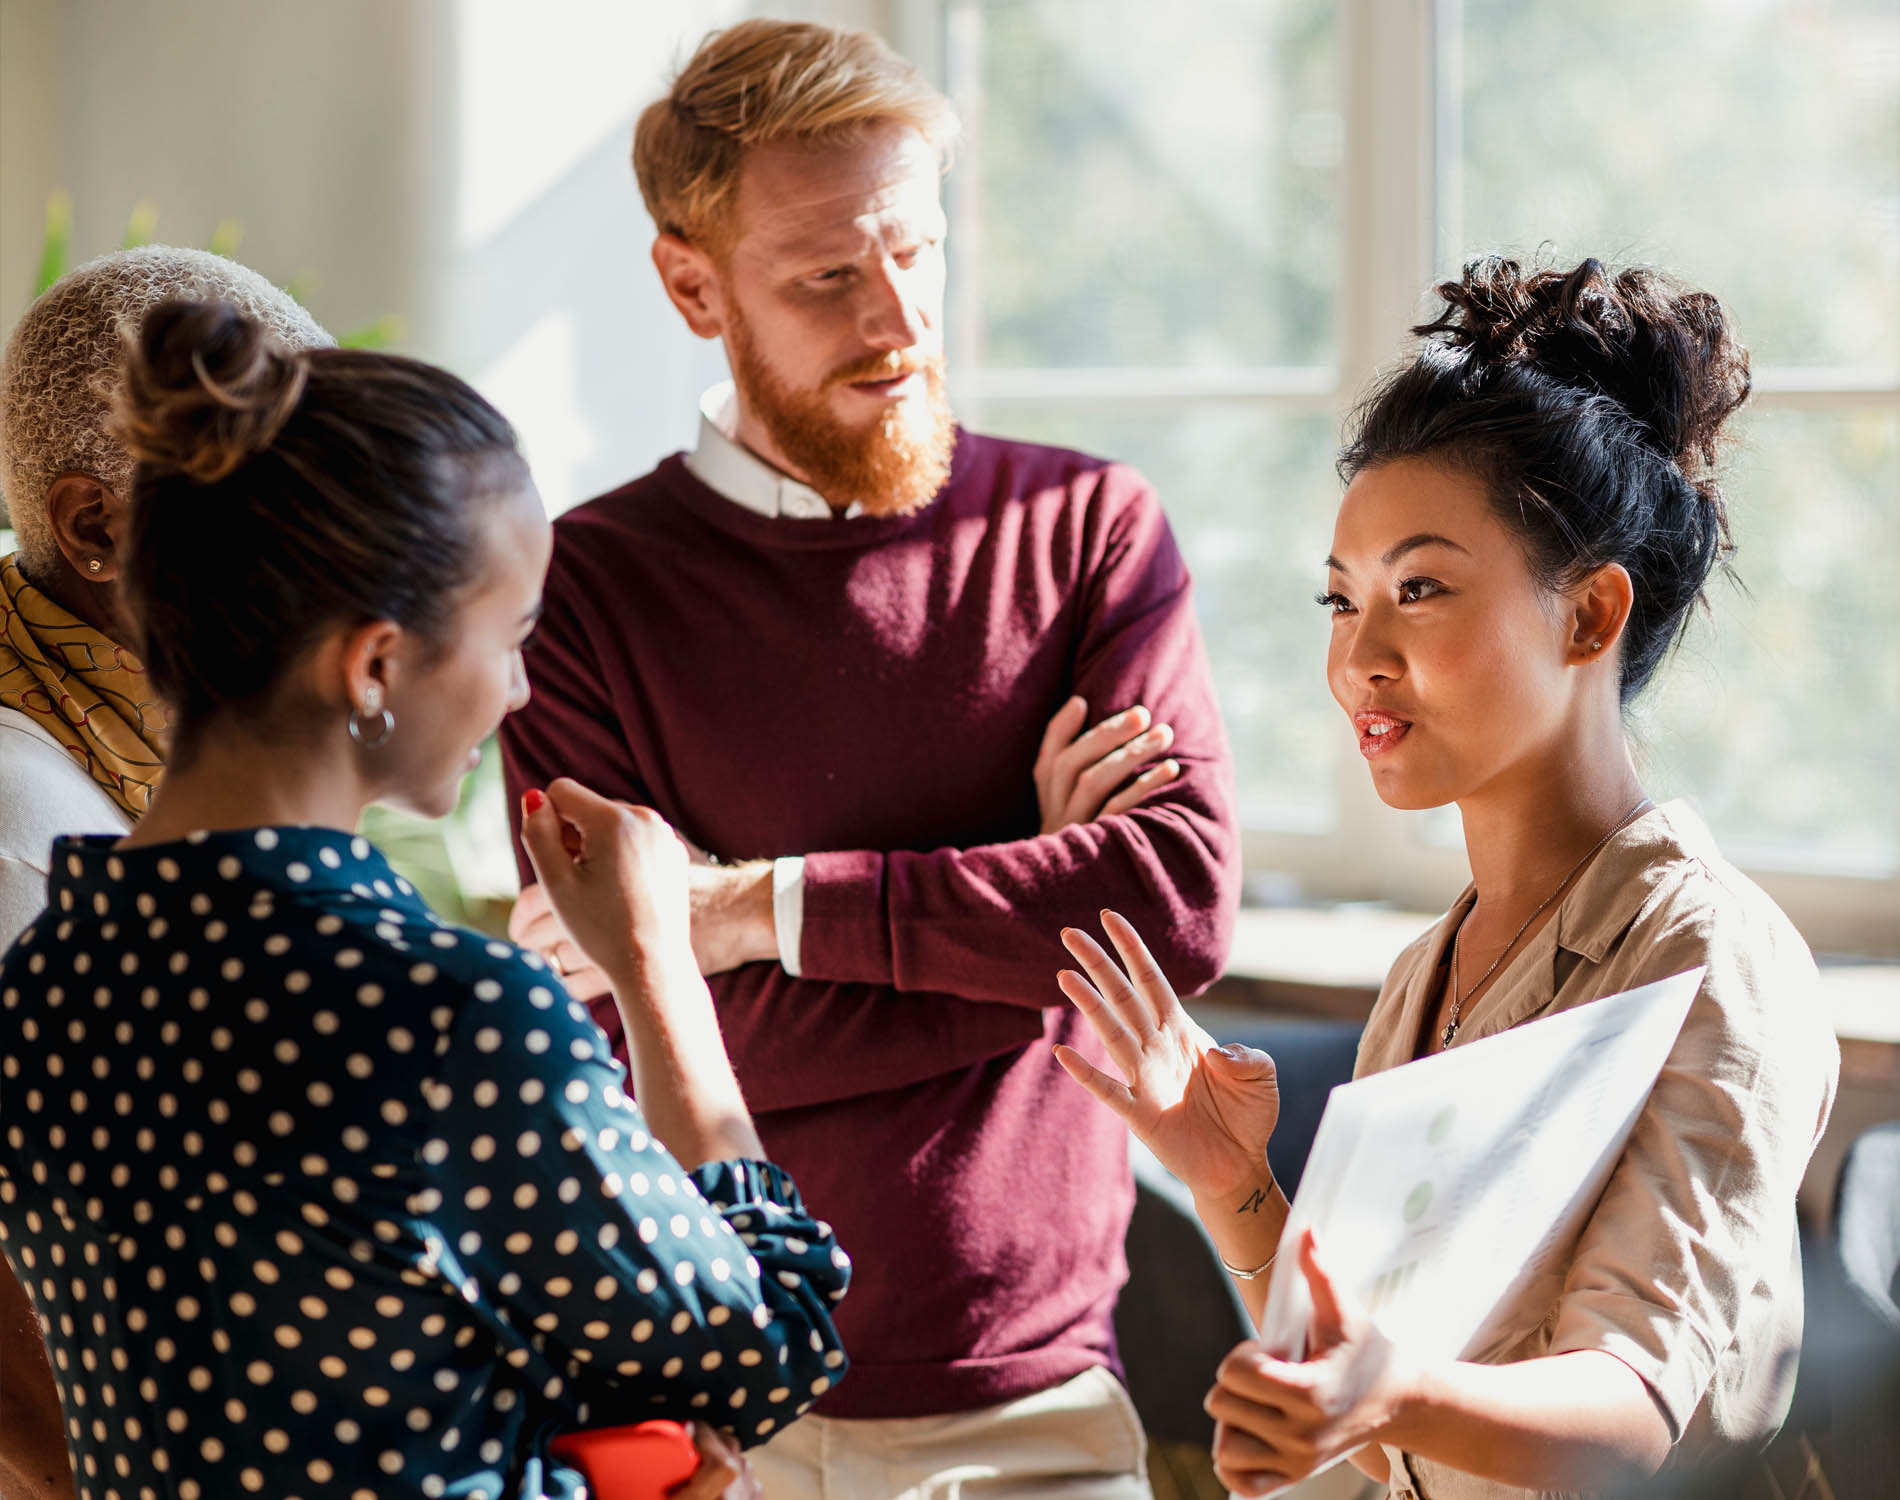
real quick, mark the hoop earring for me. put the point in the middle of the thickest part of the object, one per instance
(372, 713)
(385, 723)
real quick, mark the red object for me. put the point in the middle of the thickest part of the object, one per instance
(641, 1462)
(532, 801)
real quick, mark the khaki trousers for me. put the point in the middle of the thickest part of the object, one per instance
(1080, 1440)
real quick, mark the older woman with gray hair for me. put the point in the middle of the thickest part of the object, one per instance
(82, 739)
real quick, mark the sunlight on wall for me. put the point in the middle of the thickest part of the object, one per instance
(534, 383)
(538, 87)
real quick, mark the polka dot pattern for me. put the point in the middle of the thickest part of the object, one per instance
(316, 1195)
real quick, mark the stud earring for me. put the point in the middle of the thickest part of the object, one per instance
(94, 564)
(372, 724)
(1596, 645)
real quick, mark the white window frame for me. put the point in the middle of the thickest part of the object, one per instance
(1399, 145)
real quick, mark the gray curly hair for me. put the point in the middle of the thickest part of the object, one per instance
(62, 364)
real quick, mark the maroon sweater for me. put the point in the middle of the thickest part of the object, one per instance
(870, 693)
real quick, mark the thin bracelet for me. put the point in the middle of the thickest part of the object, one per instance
(1239, 1275)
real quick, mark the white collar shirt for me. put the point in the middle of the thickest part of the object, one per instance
(733, 471)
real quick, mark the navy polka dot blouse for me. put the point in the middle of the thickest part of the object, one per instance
(316, 1195)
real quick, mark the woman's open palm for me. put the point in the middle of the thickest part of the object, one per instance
(1205, 1111)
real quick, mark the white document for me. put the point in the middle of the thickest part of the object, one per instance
(1439, 1189)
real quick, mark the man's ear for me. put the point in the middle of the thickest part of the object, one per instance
(692, 282)
(89, 522)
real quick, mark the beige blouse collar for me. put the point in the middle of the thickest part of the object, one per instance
(1599, 908)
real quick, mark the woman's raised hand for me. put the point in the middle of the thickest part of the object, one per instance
(614, 876)
(1205, 1111)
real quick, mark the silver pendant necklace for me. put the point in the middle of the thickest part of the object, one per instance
(1457, 999)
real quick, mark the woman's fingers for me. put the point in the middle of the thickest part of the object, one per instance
(1256, 1377)
(581, 977)
(539, 931)
(1145, 785)
(720, 1464)
(1332, 1309)
(1261, 1437)
(1123, 1045)
(1109, 981)
(1109, 1090)
(580, 805)
(541, 837)
(531, 903)
(1143, 972)
(1245, 1464)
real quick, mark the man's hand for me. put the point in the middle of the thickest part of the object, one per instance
(732, 914)
(1084, 776)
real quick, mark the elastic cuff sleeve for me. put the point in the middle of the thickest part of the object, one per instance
(746, 1183)
(1670, 1354)
(788, 910)
(845, 937)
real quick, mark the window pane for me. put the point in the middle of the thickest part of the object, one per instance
(1750, 146)
(1781, 712)
(1139, 187)
(1250, 496)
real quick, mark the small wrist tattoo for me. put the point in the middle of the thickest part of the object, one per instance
(1258, 1200)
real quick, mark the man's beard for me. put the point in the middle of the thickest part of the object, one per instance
(891, 467)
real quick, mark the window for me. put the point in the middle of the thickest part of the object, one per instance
(1188, 236)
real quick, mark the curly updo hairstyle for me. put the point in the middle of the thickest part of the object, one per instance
(1591, 406)
(282, 492)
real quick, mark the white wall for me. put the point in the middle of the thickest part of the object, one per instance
(462, 164)
(300, 122)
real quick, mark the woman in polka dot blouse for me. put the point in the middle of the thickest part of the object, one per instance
(314, 1194)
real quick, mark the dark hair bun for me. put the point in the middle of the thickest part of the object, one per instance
(1591, 404)
(1667, 355)
(205, 388)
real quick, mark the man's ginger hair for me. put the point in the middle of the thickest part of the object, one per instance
(63, 363)
(757, 83)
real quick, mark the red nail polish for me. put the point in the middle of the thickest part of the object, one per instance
(532, 801)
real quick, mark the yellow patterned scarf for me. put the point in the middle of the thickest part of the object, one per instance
(88, 693)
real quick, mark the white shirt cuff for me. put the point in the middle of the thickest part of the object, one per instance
(788, 909)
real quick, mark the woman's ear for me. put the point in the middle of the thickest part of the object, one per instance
(366, 666)
(1600, 608)
(88, 520)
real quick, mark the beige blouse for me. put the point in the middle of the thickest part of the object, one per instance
(1688, 1270)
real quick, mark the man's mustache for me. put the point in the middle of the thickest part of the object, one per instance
(893, 364)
